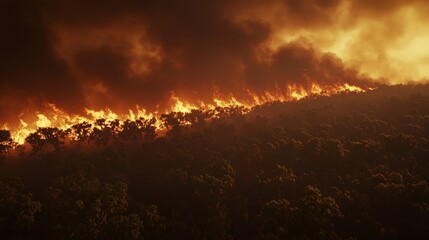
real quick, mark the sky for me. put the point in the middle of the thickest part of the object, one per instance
(95, 54)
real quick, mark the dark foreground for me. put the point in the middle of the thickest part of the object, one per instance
(354, 166)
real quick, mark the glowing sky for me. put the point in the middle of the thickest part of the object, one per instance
(95, 54)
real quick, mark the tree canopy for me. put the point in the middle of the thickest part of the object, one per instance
(352, 166)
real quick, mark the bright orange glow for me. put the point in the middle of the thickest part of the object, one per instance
(43, 121)
(55, 117)
(393, 47)
(181, 106)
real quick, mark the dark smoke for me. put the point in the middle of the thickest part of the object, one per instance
(80, 54)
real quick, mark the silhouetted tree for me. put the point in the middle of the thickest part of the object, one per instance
(18, 210)
(83, 208)
(44, 138)
(337, 167)
(5, 141)
(82, 131)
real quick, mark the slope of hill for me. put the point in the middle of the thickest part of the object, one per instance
(351, 166)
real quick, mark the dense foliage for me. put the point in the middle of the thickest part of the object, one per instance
(353, 166)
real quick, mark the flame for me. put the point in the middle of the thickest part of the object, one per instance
(181, 106)
(55, 117)
(22, 132)
(43, 121)
(106, 114)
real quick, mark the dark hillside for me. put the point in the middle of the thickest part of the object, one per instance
(351, 166)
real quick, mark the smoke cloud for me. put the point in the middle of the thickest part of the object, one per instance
(118, 54)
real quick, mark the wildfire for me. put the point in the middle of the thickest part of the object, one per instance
(55, 117)
(181, 106)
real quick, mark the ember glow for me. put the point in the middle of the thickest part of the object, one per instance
(132, 59)
(53, 117)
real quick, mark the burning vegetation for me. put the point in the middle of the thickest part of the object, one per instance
(186, 112)
(347, 166)
(216, 119)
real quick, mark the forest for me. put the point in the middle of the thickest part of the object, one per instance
(347, 166)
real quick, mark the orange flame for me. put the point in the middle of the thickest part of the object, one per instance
(55, 117)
